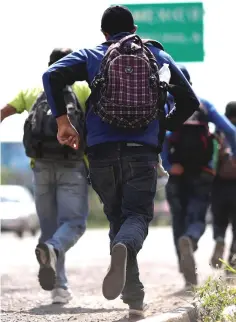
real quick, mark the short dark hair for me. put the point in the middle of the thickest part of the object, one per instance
(117, 19)
(58, 53)
(230, 110)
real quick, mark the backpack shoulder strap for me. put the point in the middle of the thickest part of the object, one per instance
(109, 43)
(40, 98)
(69, 90)
(155, 43)
(123, 39)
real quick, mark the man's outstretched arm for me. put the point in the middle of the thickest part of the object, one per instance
(64, 72)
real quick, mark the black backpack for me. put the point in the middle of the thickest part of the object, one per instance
(225, 168)
(40, 129)
(192, 144)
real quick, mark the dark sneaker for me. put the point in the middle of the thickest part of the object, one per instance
(137, 310)
(187, 262)
(218, 253)
(189, 288)
(47, 259)
(114, 281)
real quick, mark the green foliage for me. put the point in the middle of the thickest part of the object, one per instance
(6, 175)
(213, 297)
(228, 267)
(96, 216)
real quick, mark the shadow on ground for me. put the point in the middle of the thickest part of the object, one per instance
(52, 309)
(182, 293)
(125, 319)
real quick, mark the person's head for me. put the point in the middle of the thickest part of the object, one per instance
(117, 19)
(230, 112)
(57, 54)
(185, 72)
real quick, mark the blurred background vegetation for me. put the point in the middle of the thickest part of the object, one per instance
(11, 174)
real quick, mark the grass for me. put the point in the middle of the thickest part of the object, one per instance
(213, 296)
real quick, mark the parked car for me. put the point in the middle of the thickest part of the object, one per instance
(17, 210)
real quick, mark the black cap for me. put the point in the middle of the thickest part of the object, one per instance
(230, 110)
(117, 19)
(59, 53)
(184, 71)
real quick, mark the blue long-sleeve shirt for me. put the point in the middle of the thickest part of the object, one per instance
(84, 65)
(213, 116)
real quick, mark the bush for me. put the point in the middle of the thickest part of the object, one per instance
(213, 297)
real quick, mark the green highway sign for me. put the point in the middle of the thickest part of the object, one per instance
(178, 26)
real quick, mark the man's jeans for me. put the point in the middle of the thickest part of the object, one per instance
(224, 209)
(189, 197)
(125, 179)
(61, 196)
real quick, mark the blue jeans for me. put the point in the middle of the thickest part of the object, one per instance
(61, 197)
(189, 197)
(125, 179)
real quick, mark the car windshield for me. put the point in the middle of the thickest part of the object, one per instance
(6, 199)
(14, 194)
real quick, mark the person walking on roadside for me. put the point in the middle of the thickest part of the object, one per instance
(59, 177)
(188, 157)
(124, 125)
(223, 199)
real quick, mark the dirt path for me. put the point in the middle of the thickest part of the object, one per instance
(24, 301)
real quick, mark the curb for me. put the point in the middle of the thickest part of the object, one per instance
(181, 314)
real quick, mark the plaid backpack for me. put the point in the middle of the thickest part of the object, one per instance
(127, 91)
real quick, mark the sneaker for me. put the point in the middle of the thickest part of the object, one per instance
(218, 253)
(187, 262)
(189, 288)
(114, 281)
(137, 310)
(61, 296)
(47, 259)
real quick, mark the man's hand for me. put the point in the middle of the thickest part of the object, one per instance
(6, 111)
(67, 134)
(176, 169)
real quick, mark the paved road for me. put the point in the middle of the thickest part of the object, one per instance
(24, 301)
